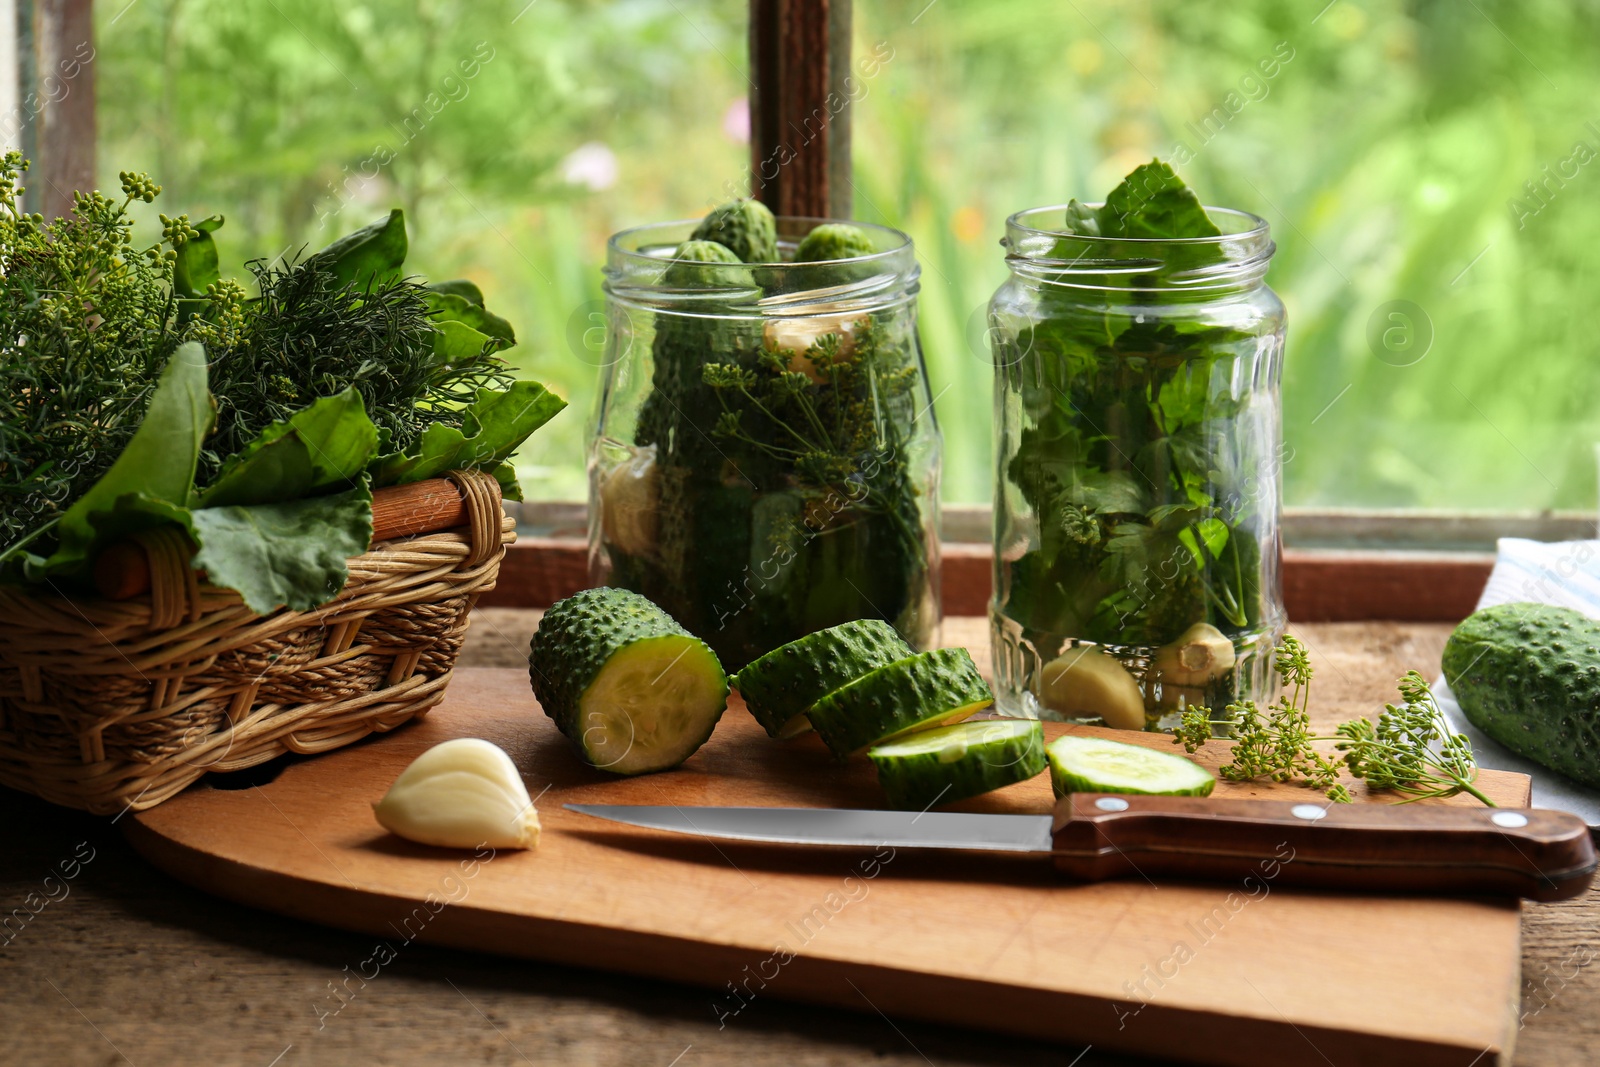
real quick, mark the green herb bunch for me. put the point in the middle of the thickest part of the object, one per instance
(141, 389)
(1410, 749)
(842, 437)
(87, 322)
(308, 336)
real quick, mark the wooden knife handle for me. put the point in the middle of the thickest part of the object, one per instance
(1408, 848)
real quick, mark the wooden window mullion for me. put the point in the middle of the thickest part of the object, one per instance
(800, 109)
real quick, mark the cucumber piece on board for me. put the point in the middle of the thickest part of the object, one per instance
(1095, 765)
(633, 690)
(916, 693)
(779, 687)
(955, 762)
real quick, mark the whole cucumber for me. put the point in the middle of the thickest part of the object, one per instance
(1528, 675)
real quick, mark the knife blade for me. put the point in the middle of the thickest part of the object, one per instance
(1412, 848)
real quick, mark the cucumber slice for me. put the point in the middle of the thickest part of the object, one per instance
(955, 762)
(921, 691)
(1095, 765)
(633, 690)
(779, 687)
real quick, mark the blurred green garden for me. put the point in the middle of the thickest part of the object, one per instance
(1425, 165)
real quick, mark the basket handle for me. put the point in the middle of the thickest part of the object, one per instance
(170, 576)
(480, 494)
(123, 570)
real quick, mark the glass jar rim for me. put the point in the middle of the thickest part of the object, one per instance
(637, 258)
(1234, 260)
(1256, 227)
(617, 244)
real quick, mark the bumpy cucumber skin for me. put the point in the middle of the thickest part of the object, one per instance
(833, 240)
(691, 267)
(1064, 781)
(745, 227)
(896, 698)
(1528, 675)
(789, 679)
(917, 782)
(705, 252)
(578, 635)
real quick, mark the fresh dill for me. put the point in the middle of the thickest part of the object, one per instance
(308, 336)
(88, 321)
(1409, 750)
(828, 428)
(86, 324)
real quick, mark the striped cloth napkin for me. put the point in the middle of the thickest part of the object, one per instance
(1562, 573)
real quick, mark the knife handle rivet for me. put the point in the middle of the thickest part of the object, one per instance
(1111, 804)
(1308, 812)
(1509, 819)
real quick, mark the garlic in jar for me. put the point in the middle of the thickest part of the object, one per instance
(630, 502)
(1181, 672)
(1199, 655)
(794, 337)
(463, 793)
(1086, 681)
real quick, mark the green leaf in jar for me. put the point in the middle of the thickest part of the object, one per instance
(1153, 203)
(1109, 492)
(1182, 401)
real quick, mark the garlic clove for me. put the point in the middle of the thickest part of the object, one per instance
(463, 793)
(1199, 655)
(630, 501)
(1086, 681)
(796, 336)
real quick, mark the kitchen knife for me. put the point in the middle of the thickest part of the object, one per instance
(1410, 848)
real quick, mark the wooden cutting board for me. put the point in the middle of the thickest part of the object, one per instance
(1227, 974)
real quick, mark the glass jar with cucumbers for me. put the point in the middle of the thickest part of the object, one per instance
(1137, 353)
(764, 459)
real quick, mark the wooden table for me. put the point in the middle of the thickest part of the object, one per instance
(122, 965)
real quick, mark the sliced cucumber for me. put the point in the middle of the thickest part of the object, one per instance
(779, 687)
(955, 762)
(633, 690)
(1095, 765)
(916, 693)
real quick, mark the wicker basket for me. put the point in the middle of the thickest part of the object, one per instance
(112, 706)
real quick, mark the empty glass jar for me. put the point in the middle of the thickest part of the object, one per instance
(764, 459)
(1137, 435)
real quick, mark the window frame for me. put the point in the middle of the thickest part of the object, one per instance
(1339, 563)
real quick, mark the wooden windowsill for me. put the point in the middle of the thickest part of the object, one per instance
(1319, 585)
(1389, 529)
